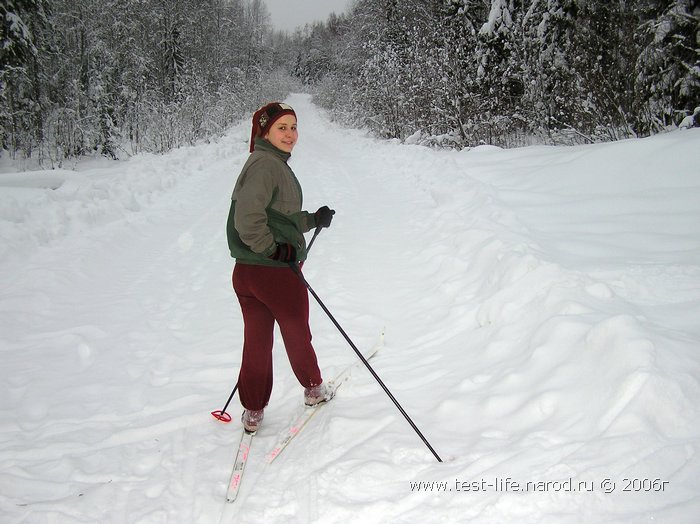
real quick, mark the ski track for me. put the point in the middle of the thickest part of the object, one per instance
(541, 325)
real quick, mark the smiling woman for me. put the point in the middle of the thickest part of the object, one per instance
(265, 230)
(266, 118)
(283, 133)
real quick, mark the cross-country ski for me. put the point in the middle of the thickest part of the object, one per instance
(299, 422)
(239, 465)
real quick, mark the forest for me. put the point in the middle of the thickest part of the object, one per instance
(119, 77)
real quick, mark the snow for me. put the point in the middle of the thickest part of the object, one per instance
(499, 15)
(540, 307)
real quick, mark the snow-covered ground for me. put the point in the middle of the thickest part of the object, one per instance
(541, 310)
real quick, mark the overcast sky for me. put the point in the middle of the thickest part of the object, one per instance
(287, 15)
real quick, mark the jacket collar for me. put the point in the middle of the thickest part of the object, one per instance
(263, 145)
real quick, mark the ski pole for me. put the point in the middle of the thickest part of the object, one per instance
(296, 269)
(311, 242)
(220, 414)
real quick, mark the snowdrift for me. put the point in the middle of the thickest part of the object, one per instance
(540, 307)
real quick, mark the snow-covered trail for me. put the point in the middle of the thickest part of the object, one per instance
(111, 368)
(540, 308)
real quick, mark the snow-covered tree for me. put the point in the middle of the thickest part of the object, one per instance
(105, 76)
(667, 71)
(552, 91)
(24, 26)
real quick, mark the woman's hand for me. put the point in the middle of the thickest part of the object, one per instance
(323, 216)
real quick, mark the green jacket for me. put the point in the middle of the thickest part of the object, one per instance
(266, 208)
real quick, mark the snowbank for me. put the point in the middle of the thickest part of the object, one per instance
(540, 307)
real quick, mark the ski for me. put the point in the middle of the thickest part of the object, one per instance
(305, 416)
(295, 428)
(287, 436)
(239, 465)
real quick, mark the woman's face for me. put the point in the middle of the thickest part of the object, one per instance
(283, 134)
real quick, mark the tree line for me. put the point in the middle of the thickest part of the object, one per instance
(106, 77)
(507, 72)
(111, 77)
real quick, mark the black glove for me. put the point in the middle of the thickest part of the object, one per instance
(323, 216)
(284, 253)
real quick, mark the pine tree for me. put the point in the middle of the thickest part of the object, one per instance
(667, 71)
(24, 26)
(552, 90)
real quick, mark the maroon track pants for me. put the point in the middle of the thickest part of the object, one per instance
(266, 295)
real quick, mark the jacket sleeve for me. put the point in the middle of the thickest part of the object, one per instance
(306, 221)
(253, 194)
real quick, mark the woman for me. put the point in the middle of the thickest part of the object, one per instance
(265, 235)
